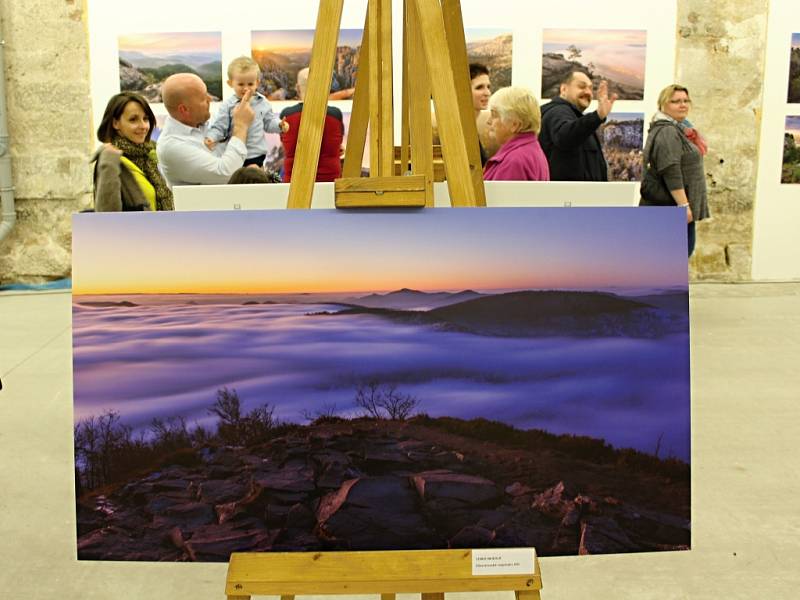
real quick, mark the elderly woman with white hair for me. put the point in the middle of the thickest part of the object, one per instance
(514, 124)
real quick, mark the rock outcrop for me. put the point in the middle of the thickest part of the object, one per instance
(359, 485)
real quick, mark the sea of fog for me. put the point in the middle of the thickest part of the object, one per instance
(168, 360)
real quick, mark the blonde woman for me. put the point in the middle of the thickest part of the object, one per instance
(514, 123)
(674, 174)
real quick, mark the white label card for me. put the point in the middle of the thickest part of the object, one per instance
(503, 561)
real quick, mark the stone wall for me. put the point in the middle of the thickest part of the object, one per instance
(48, 94)
(720, 58)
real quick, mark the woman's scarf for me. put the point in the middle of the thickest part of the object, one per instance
(144, 157)
(688, 130)
(693, 136)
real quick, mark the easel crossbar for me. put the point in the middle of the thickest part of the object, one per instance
(437, 571)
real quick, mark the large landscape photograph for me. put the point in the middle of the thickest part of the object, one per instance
(316, 380)
(280, 54)
(622, 135)
(493, 48)
(147, 59)
(615, 55)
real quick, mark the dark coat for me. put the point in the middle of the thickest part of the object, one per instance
(570, 142)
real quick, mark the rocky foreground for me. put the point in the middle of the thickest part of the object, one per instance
(365, 485)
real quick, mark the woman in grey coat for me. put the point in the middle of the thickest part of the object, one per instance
(673, 160)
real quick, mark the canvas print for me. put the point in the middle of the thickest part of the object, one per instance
(621, 137)
(280, 54)
(316, 380)
(794, 69)
(493, 48)
(615, 55)
(790, 172)
(147, 59)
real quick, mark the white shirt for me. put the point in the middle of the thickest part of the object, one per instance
(185, 160)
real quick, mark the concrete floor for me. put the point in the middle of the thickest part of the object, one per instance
(746, 486)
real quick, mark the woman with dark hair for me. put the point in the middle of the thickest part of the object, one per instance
(673, 160)
(481, 88)
(126, 176)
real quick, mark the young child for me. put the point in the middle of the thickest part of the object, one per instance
(242, 76)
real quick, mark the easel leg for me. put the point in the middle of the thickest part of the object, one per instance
(238, 597)
(405, 135)
(419, 106)
(454, 147)
(381, 123)
(359, 117)
(432, 596)
(454, 27)
(528, 595)
(316, 104)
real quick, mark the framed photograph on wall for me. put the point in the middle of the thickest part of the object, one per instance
(280, 54)
(615, 55)
(147, 59)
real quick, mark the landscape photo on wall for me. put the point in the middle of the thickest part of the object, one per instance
(147, 59)
(622, 134)
(790, 170)
(280, 54)
(493, 48)
(317, 380)
(794, 69)
(615, 55)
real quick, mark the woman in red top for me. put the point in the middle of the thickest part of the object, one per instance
(330, 162)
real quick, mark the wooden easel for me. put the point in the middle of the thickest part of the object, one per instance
(434, 63)
(429, 572)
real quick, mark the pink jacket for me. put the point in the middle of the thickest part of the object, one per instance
(520, 159)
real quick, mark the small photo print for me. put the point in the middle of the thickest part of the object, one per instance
(794, 70)
(790, 173)
(492, 48)
(147, 59)
(622, 135)
(615, 55)
(280, 54)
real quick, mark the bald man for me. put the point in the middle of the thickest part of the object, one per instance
(183, 156)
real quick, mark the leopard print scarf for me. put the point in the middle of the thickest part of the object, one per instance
(144, 157)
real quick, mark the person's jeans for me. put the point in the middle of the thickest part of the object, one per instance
(256, 160)
(691, 235)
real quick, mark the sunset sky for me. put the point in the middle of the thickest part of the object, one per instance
(796, 40)
(329, 251)
(291, 39)
(160, 44)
